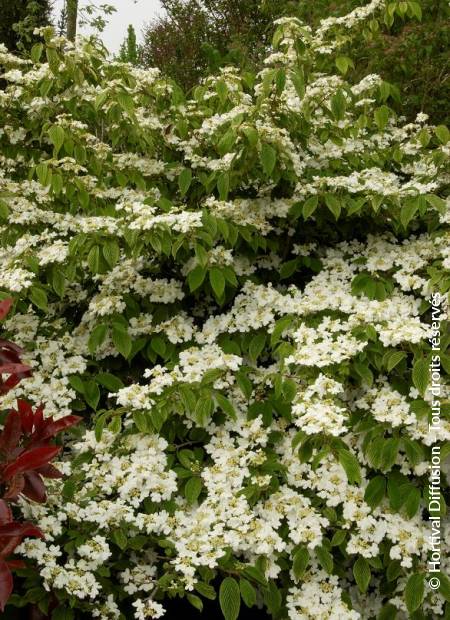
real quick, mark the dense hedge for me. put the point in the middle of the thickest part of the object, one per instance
(234, 290)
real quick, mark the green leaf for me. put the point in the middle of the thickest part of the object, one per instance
(99, 427)
(414, 592)
(442, 133)
(256, 574)
(389, 453)
(388, 612)
(120, 539)
(115, 424)
(91, 393)
(97, 337)
(408, 211)
(158, 345)
(141, 421)
(280, 80)
(205, 590)
(257, 346)
(42, 173)
(223, 185)
(100, 99)
(300, 562)
(63, 613)
(58, 281)
(125, 101)
(248, 592)
(111, 252)
(362, 573)
(416, 9)
(436, 202)
(109, 381)
(230, 598)
(394, 359)
(414, 451)
(225, 405)
(76, 383)
(364, 372)
(268, 158)
(338, 538)
(444, 588)
(299, 83)
(222, 90)
(333, 204)
(196, 277)
(381, 116)
(203, 410)
(217, 280)
(193, 489)
(252, 135)
(343, 63)
(338, 105)
(4, 210)
(288, 268)
(57, 137)
(121, 340)
(310, 206)
(421, 375)
(57, 184)
(351, 466)
(195, 601)
(38, 297)
(412, 502)
(36, 52)
(185, 180)
(325, 558)
(375, 491)
(93, 259)
(226, 142)
(272, 598)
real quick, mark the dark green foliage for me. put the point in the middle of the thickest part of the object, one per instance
(18, 20)
(409, 50)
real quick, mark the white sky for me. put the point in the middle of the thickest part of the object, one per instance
(136, 12)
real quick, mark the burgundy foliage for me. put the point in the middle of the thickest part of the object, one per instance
(26, 450)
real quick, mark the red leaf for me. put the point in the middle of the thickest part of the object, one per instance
(13, 368)
(30, 459)
(19, 530)
(38, 418)
(9, 384)
(12, 534)
(12, 431)
(49, 471)
(16, 564)
(15, 487)
(6, 584)
(53, 428)
(8, 545)
(11, 347)
(5, 307)
(5, 513)
(26, 415)
(34, 488)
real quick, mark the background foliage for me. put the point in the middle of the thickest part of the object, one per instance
(409, 47)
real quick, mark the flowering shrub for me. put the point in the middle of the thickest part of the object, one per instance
(25, 455)
(234, 290)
